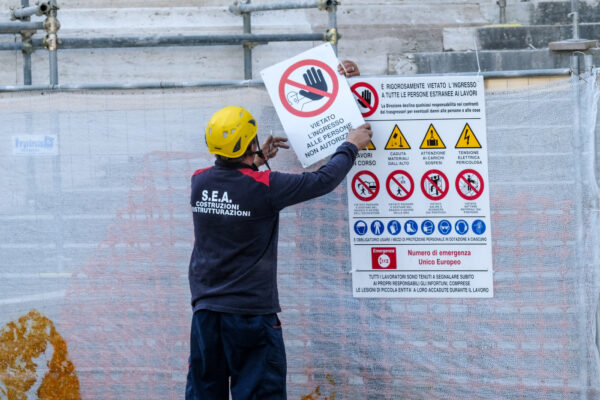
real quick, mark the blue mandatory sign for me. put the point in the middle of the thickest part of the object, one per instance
(444, 226)
(428, 227)
(394, 227)
(461, 227)
(478, 227)
(361, 227)
(377, 227)
(411, 227)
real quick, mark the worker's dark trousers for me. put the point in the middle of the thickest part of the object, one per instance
(246, 348)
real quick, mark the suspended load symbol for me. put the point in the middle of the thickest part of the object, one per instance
(400, 185)
(434, 184)
(365, 185)
(467, 139)
(432, 140)
(397, 141)
(469, 184)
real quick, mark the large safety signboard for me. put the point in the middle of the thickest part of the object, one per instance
(313, 102)
(418, 198)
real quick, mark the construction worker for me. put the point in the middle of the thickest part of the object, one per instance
(236, 337)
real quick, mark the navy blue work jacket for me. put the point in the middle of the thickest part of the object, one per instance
(233, 267)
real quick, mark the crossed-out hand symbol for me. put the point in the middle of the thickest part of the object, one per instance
(314, 78)
(365, 101)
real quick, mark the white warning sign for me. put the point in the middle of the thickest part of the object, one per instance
(419, 212)
(313, 102)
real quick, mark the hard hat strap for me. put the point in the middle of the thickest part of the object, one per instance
(260, 153)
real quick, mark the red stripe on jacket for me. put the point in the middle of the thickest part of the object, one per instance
(201, 170)
(258, 176)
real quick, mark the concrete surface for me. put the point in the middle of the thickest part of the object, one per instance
(380, 35)
(371, 30)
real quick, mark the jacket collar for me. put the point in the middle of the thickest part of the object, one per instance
(239, 165)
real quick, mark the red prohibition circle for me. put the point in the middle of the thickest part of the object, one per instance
(391, 178)
(373, 108)
(372, 191)
(286, 81)
(476, 192)
(440, 193)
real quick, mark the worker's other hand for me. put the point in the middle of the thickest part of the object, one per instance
(361, 136)
(348, 68)
(270, 147)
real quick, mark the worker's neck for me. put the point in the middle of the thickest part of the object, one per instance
(248, 160)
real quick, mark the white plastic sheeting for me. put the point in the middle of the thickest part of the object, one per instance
(96, 234)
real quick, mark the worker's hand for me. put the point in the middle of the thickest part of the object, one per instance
(270, 148)
(361, 136)
(348, 68)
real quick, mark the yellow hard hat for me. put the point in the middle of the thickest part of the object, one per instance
(230, 131)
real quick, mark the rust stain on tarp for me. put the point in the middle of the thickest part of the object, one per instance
(316, 394)
(21, 343)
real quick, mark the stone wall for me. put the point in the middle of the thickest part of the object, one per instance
(376, 33)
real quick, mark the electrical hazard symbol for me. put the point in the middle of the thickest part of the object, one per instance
(434, 184)
(432, 139)
(467, 139)
(400, 185)
(397, 141)
(365, 185)
(308, 88)
(383, 257)
(469, 184)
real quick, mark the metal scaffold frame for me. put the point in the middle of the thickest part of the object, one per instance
(247, 40)
(240, 7)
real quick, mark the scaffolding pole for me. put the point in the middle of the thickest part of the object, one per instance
(133, 86)
(240, 8)
(246, 17)
(51, 42)
(26, 11)
(250, 83)
(17, 27)
(51, 25)
(245, 9)
(27, 47)
(169, 41)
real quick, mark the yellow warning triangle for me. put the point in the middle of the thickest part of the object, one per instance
(371, 146)
(397, 141)
(467, 139)
(432, 139)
